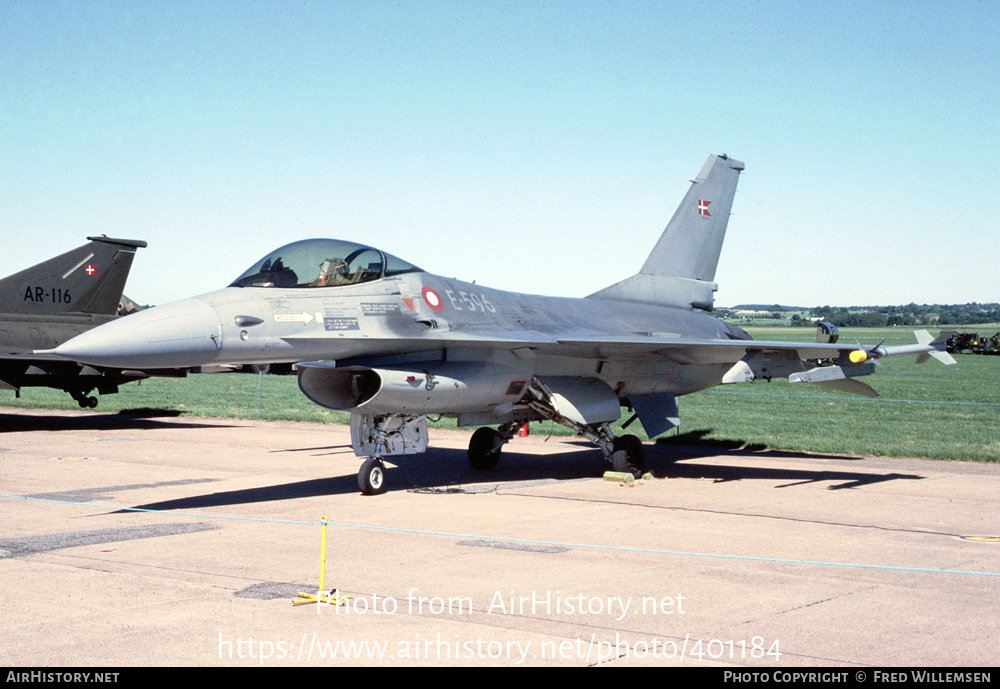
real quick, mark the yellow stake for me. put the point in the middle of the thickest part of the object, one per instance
(322, 556)
(321, 596)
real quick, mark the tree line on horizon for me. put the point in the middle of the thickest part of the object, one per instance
(880, 316)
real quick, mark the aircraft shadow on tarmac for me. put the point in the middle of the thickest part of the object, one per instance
(694, 445)
(444, 470)
(141, 419)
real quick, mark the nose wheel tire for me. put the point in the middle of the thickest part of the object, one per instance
(371, 478)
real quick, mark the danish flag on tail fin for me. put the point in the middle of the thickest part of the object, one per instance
(680, 270)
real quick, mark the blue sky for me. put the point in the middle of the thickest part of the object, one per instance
(530, 146)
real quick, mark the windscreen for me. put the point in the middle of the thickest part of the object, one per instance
(322, 263)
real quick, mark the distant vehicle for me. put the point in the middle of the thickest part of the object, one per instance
(390, 343)
(973, 343)
(45, 305)
(960, 342)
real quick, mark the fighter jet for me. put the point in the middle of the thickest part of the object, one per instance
(54, 301)
(381, 338)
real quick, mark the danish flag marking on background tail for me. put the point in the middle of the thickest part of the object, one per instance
(91, 270)
(703, 207)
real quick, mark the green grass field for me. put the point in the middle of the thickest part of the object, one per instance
(928, 410)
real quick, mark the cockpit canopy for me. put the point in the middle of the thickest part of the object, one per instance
(322, 263)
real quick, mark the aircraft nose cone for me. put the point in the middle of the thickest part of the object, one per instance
(178, 335)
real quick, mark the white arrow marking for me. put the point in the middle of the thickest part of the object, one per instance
(293, 317)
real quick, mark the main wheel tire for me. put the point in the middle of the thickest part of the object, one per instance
(371, 477)
(482, 456)
(634, 453)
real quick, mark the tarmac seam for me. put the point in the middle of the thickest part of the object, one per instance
(754, 515)
(29, 545)
(590, 546)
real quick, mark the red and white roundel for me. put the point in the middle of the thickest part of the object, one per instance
(432, 298)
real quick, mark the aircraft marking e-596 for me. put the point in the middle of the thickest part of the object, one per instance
(381, 338)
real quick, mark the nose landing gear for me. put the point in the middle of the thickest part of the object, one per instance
(371, 477)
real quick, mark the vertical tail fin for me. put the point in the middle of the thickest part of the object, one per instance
(680, 271)
(88, 279)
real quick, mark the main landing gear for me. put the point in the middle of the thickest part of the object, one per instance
(85, 401)
(486, 443)
(375, 437)
(628, 455)
(625, 453)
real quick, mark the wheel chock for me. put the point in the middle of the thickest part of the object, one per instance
(619, 476)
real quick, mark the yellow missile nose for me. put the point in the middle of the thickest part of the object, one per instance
(858, 356)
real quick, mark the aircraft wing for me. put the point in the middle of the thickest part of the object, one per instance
(707, 351)
(683, 350)
(702, 351)
(800, 362)
(753, 359)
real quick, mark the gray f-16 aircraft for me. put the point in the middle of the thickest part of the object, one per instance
(390, 343)
(56, 300)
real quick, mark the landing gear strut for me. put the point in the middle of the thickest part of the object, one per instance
(625, 453)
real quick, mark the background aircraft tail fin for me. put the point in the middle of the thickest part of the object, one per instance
(680, 271)
(88, 279)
